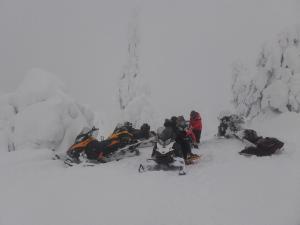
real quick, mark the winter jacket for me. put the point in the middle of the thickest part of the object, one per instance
(190, 133)
(196, 122)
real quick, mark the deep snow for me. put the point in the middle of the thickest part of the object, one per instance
(224, 188)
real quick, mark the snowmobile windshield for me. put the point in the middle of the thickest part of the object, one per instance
(95, 133)
(164, 143)
(164, 134)
(119, 128)
(85, 130)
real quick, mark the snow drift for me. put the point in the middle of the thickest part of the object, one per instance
(39, 114)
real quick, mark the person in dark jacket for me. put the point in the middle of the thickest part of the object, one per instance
(178, 126)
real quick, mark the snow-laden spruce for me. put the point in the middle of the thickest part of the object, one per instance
(40, 114)
(275, 84)
(133, 95)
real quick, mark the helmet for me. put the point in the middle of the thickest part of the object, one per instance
(127, 124)
(181, 121)
(174, 119)
(193, 114)
(145, 127)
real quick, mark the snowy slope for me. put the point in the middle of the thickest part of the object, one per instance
(223, 189)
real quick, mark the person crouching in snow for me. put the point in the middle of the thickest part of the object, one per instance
(196, 126)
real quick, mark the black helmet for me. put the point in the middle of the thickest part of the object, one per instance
(127, 124)
(167, 123)
(174, 119)
(193, 114)
(181, 121)
(145, 127)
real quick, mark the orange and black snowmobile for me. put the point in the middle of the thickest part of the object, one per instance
(88, 148)
(82, 142)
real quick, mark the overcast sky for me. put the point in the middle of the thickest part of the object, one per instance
(186, 49)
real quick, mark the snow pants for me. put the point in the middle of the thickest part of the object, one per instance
(197, 134)
(185, 147)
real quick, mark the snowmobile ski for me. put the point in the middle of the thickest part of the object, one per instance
(177, 165)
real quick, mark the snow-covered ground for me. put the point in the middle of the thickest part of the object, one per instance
(224, 188)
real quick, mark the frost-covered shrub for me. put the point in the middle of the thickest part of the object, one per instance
(230, 124)
(274, 86)
(41, 115)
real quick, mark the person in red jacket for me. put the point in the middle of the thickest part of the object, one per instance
(196, 125)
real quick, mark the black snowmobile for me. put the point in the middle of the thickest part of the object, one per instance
(258, 145)
(231, 126)
(166, 154)
(144, 134)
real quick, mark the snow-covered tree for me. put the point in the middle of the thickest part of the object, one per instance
(275, 83)
(39, 114)
(128, 82)
(133, 95)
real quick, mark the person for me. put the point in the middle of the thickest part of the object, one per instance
(178, 126)
(196, 126)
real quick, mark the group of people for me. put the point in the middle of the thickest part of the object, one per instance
(185, 133)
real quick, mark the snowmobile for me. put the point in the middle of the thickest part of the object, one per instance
(143, 135)
(88, 151)
(258, 145)
(231, 126)
(166, 154)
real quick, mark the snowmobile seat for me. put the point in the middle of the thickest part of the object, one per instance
(96, 148)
